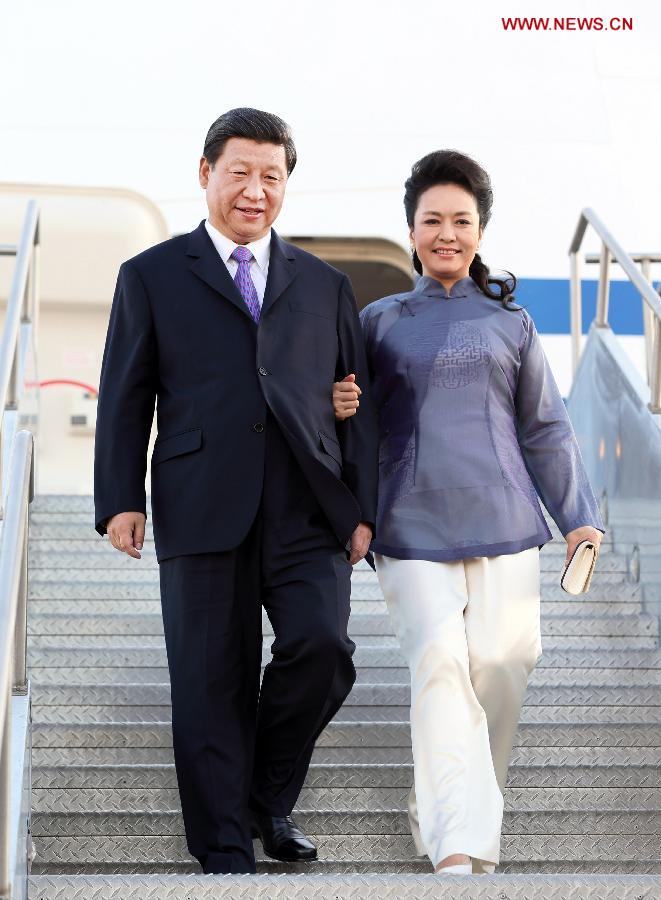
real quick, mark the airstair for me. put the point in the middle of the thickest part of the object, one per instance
(582, 804)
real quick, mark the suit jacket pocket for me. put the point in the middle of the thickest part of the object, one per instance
(311, 308)
(331, 446)
(176, 445)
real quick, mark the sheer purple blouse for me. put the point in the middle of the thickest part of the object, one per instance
(472, 428)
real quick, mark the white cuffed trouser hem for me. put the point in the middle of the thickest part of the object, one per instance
(478, 838)
(464, 843)
(480, 866)
(459, 802)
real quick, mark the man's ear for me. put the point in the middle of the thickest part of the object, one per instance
(205, 168)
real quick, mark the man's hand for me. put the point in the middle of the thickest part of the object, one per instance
(584, 533)
(127, 532)
(360, 543)
(345, 397)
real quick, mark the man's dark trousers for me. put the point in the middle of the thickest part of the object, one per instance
(237, 747)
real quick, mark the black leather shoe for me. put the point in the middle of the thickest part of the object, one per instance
(282, 839)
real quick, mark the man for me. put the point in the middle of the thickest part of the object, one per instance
(256, 495)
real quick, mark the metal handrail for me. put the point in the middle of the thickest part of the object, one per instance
(13, 623)
(17, 492)
(21, 308)
(612, 250)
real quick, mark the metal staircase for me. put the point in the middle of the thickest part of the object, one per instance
(583, 802)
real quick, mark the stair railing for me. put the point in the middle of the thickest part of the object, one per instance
(13, 629)
(612, 251)
(16, 493)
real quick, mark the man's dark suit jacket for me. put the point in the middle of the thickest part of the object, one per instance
(180, 334)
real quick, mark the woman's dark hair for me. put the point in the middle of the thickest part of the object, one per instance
(452, 167)
(254, 124)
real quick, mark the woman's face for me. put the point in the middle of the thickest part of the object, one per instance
(446, 232)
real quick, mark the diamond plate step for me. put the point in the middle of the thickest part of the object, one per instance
(154, 801)
(607, 849)
(351, 734)
(587, 822)
(42, 649)
(542, 676)
(547, 676)
(132, 572)
(127, 695)
(120, 657)
(267, 866)
(523, 774)
(351, 713)
(390, 867)
(57, 630)
(342, 887)
(554, 637)
(125, 617)
(91, 617)
(331, 755)
(141, 590)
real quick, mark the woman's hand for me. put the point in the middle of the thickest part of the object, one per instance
(584, 533)
(345, 397)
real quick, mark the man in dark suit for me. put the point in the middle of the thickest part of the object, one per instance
(258, 497)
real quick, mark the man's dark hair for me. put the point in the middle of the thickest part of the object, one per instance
(254, 124)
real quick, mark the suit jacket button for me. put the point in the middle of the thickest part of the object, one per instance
(258, 427)
(262, 371)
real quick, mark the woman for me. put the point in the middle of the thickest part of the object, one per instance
(472, 429)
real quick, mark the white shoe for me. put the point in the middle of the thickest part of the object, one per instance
(459, 869)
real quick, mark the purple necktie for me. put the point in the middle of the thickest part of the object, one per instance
(244, 282)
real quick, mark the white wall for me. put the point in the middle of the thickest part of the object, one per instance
(122, 94)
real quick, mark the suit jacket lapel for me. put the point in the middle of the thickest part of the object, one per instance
(282, 271)
(207, 265)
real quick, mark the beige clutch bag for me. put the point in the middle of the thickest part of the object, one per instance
(577, 574)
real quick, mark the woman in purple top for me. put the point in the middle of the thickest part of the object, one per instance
(472, 430)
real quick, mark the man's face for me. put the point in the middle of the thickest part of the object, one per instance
(245, 188)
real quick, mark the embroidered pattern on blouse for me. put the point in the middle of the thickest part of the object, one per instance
(463, 355)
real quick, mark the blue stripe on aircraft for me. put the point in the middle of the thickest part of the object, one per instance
(547, 301)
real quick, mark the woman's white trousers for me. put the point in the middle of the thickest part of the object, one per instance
(470, 632)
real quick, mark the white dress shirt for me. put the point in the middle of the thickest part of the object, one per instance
(259, 264)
